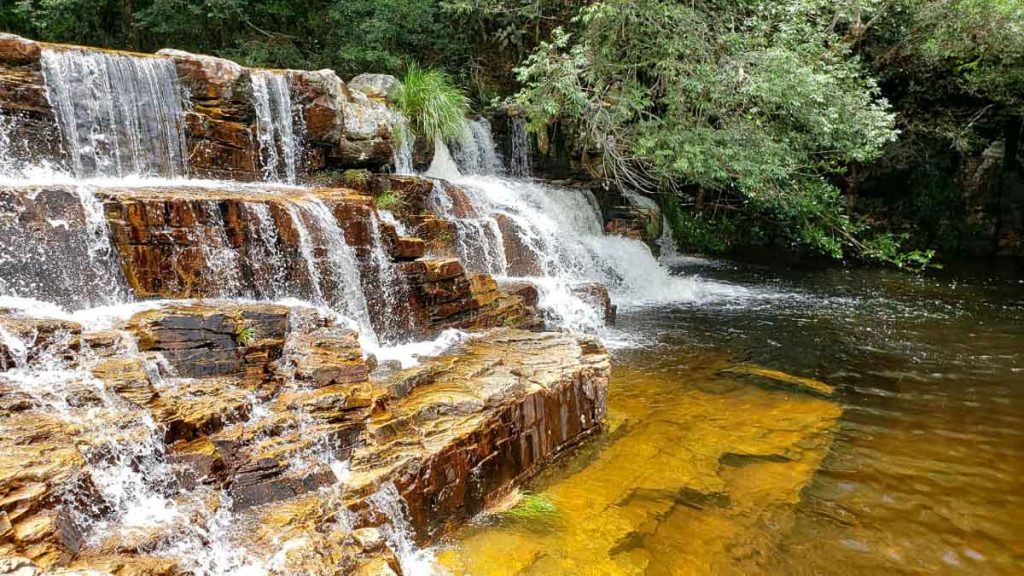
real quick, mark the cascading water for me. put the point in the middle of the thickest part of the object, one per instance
(57, 248)
(402, 133)
(7, 161)
(335, 279)
(474, 151)
(519, 148)
(395, 314)
(118, 115)
(279, 147)
(221, 258)
(554, 237)
(478, 240)
(270, 272)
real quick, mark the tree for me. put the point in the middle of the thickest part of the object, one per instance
(757, 104)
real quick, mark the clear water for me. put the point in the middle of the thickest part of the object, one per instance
(913, 466)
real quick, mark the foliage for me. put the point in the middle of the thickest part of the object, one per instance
(436, 106)
(758, 103)
(388, 201)
(356, 178)
(246, 336)
(759, 114)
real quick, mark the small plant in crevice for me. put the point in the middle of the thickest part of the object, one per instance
(246, 336)
(388, 201)
(435, 106)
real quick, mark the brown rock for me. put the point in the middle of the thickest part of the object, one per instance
(409, 248)
(479, 420)
(596, 295)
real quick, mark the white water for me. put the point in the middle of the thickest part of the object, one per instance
(223, 261)
(474, 151)
(279, 147)
(405, 140)
(8, 163)
(138, 492)
(61, 251)
(559, 235)
(396, 316)
(398, 533)
(335, 278)
(118, 115)
(270, 270)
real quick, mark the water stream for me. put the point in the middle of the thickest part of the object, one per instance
(717, 461)
(279, 144)
(119, 115)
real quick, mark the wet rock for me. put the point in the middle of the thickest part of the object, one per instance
(406, 249)
(219, 127)
(25, 339)
(478, 421)
(209, 340)
(16, 50)
(39, 462)
(521, 260)
(596, 295)
(638, 223)
(126, 377)
(328, 356)
(345, 127)
(443, 295)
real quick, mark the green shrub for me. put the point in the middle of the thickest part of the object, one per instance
(388, 201)
(432, 102)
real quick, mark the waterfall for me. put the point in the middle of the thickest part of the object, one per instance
(118, 115)
(335, 279)
(396, 316)
(56, 247)
(474, 150)
(478, 240)
(270, 273)
(404, 141)
(554, 237)
(399, 534)
(279, 147)
(222, 260)
(7, 160)
(519, 148)
(134, 488)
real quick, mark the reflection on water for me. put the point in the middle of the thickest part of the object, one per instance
(721, 458)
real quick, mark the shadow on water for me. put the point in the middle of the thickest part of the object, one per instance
(724, 455)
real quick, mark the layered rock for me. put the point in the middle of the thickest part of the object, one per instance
(31, 126)
(455, 434)
(338, 127)
(253, 401)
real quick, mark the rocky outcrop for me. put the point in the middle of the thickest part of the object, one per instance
(254, 401)
(455, 434)
(31, 126)
(340, 127)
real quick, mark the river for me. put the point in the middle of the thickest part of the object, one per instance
(721, 458)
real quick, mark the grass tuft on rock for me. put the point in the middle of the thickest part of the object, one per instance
(432, 102)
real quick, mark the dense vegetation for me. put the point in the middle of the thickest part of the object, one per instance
(875, 129)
